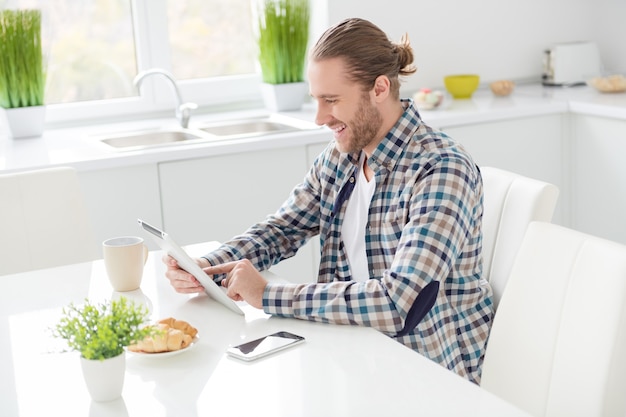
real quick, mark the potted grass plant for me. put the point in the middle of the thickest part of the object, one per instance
(100, 332)
(283, 35)
(22, 73)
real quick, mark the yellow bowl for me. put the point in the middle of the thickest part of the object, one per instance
(461, 86)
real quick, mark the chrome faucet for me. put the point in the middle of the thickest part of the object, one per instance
(183, 110)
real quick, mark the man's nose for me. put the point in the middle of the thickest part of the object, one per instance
(322, 116)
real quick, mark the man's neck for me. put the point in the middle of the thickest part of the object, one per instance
(367, 171)
(391, 115)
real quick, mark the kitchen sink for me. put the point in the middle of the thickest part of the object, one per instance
(258, 127)
(141, 139)
(231, 129)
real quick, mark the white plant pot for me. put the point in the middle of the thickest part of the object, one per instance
(284, 97)
(26, 122)
(104, 379)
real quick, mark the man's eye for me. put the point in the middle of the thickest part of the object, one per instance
(330, 100)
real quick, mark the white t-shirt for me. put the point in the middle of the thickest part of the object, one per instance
(355, 222)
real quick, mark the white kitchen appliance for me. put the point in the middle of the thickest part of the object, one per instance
(573, 63)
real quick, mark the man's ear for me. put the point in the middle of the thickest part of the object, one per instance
(381, 88)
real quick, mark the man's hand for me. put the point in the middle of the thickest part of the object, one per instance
(242, 280)
(182, 281)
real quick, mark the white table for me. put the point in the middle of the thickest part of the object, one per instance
(339, 370)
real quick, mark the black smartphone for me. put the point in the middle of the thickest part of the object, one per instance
(264, 346)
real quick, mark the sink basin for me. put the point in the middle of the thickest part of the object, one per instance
(257, 127)
(142, 139)
(231, 129)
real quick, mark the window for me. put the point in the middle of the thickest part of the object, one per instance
(210, 38)
(95, 48)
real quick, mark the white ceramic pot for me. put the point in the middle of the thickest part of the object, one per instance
(26, 122)
(284, 97)
(104, 379)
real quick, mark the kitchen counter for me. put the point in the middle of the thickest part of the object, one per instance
(527, 100)
(76, 147)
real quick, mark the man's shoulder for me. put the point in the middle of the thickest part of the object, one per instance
(431, 148)
(430, 142)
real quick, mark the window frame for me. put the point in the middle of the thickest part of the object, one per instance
(151, 39)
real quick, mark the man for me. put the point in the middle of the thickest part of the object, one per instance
(397, 206)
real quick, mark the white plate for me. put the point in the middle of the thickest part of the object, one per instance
(165, 354)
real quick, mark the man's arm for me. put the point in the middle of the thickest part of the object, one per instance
(436, 227)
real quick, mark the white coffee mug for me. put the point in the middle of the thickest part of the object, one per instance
(124, 258)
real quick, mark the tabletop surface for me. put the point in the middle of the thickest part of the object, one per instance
(339, 370)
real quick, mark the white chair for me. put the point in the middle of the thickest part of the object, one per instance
(511, 202)
(43, 221)
(558, 342)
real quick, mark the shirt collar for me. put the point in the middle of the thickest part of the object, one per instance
(392, 146)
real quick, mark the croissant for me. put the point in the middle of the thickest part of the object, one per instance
(180, 325)
(168, 339)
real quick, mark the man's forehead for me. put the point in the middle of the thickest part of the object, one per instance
(329, 72)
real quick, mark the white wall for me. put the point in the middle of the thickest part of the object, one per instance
(497, 39)
(608, 17)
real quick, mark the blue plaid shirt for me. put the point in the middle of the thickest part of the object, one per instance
(424, 227)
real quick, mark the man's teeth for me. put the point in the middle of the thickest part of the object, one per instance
(339, 128)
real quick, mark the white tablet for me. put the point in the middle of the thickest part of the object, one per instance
(166, 243)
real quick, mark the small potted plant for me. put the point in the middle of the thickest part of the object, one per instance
(283, 35)
(100, 332)
(22, 73)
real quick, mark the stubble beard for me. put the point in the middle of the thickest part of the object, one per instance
(365, 127)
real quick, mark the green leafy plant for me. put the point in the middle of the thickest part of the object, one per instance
(101, 331)
(283, 38)
(22, 73)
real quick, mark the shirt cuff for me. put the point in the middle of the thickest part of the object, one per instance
(278, 299)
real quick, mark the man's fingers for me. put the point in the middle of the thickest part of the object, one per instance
(169, 261)
(186, 281)
(222, 268)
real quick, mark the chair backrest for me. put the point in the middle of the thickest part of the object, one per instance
(43, 221)
(511, 202)
(558, 342)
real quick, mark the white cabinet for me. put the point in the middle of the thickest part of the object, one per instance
(218, 197)
(599, 176)
(116, 198)
(531, 146)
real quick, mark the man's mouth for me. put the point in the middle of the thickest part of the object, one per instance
(338, 129)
